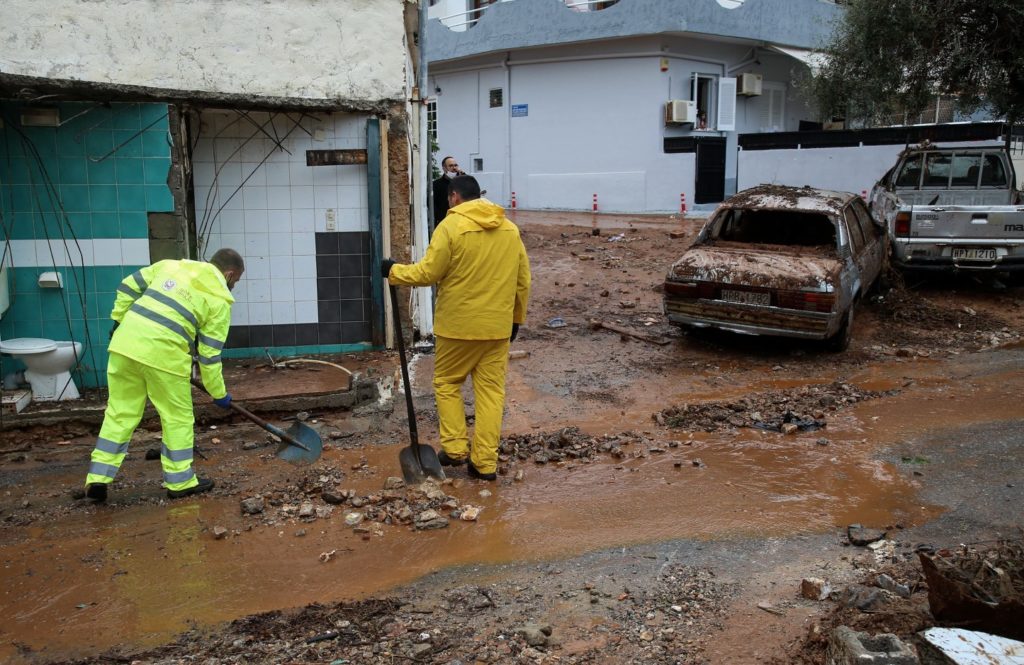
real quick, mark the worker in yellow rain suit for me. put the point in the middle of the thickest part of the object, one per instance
(479, 263)
(163, 316)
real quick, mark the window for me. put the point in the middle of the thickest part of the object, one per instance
(702, 93)
(478, 164)
(867, 225)
(432, 121)
(936, 169)
(964, 170)
(776, 227)
(910, 175)
(992, 173)
(853, 228)
(496, 98)
(771, 107)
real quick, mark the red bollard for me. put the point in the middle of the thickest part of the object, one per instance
(682, 203)
(864, 194)
(513, 200)
(595, 202)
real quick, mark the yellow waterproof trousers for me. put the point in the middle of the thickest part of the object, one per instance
(130, 383)
(487, 361)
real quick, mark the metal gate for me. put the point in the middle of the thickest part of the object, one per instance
(710, 185)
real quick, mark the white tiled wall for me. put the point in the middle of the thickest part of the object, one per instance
(272, 219)
(84, 251)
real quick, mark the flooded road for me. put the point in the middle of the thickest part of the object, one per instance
(142, 574)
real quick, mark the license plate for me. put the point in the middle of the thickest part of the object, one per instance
(974, 254)
(746, 297)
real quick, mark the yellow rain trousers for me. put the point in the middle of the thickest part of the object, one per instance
(130, 383)
(169, 313)
(479, 264)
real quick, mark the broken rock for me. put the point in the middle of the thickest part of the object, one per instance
(535, 635)
(862, 536)
(848, 647)
(219, 532)
(815, 588)
(253, 506)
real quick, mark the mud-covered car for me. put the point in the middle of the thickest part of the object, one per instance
(785, 261)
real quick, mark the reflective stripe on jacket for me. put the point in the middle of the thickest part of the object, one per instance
(479, 264)
(170, 311)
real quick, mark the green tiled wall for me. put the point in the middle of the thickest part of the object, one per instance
(101, 199)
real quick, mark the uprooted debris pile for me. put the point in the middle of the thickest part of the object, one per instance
(934, 326)
(804, 408)
(971, 586)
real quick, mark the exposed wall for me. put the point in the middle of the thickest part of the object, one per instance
(108, 169)
(299, 49)
(303, 230)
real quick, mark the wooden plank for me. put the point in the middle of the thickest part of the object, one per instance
(335, 157)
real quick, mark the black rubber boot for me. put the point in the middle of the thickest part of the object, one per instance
(96, 492)
(473, 473)
(443, 458)
(205, 485)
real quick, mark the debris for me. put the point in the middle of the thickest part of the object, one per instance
(394, 483)
(848, 647)
(862, 536)
(534, 634)
(814, 588)
(627, 304)
(327, 556)
(822, 441)
(557, 322)
(517, 354)
(430, 519)
(250, 445)
(219, 532)
(863, 598)
(598, 325)
(968, 647)
(469, 514)
(676, 235)
(307, 510)
(789, 428)
(763, 605)
(889, 584)
(520, 475)
(253, 506)
(352, 519)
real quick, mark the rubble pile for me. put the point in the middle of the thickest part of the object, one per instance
(936, 327)
(424, 507)
(805, 408)
(571, 445)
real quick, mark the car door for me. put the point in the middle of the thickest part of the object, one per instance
(857, 245)
(874, 244)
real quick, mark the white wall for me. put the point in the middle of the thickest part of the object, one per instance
(851, 169)
(272, 219)
(351, 50)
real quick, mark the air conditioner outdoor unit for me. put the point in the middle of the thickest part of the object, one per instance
(749, 85)
(678, 111)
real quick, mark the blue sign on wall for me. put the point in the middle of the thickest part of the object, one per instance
(520, 110)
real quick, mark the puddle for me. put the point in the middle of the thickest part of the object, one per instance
(152, 571)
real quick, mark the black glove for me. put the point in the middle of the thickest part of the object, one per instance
(385, 267)
(515, 331)
(116, 324)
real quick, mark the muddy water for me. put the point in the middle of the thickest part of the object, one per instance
(140, 575)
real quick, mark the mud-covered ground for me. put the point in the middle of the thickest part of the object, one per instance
(584, 402)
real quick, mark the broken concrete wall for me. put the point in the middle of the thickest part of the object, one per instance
(297, 49)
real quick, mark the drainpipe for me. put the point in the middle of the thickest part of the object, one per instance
(508, 130)
(424, 295)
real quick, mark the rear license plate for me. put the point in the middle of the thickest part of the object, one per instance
(746, 297)
(974, 254)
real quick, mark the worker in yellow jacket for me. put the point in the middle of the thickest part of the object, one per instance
(164, 316)
(479, 264)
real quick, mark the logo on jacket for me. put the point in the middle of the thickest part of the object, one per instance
(169, 284)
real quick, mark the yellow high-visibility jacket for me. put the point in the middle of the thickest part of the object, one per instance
(170, 311)
(479, 264)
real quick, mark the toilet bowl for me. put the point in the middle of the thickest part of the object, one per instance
(48, 366)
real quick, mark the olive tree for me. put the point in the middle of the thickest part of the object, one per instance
(890, 57)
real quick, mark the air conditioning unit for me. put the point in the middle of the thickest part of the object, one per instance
(749, 85)
(679, 111)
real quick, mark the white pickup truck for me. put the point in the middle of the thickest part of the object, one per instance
(952, 209)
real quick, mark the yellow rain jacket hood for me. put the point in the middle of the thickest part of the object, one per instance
(479, 264)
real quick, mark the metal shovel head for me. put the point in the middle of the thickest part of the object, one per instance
(415, 471)
(308, 437)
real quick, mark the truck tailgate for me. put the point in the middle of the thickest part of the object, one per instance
(969, 224)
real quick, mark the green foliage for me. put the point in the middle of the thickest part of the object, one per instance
(890, 57)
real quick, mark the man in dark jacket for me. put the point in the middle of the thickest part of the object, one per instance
(449, 169)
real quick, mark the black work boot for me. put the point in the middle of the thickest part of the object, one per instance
(205, 485)
(443, 458)
(473, 473)
(96, 491)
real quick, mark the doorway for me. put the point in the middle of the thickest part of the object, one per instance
(710, 184)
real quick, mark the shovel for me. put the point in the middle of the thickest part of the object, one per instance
(417, 461)
(300, 444)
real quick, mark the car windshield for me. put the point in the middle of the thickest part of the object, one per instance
(775, 227)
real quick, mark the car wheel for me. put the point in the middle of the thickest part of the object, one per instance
(840, 341)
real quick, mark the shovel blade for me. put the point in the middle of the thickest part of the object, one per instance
(417, 468)
(308, 437)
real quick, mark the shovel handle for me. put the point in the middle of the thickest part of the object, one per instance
(413, 434)
(276, 431)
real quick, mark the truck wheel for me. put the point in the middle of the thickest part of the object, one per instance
(840, 341)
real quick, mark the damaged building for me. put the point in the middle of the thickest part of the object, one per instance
(134, 132)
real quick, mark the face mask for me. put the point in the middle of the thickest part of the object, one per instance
(449, 174)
